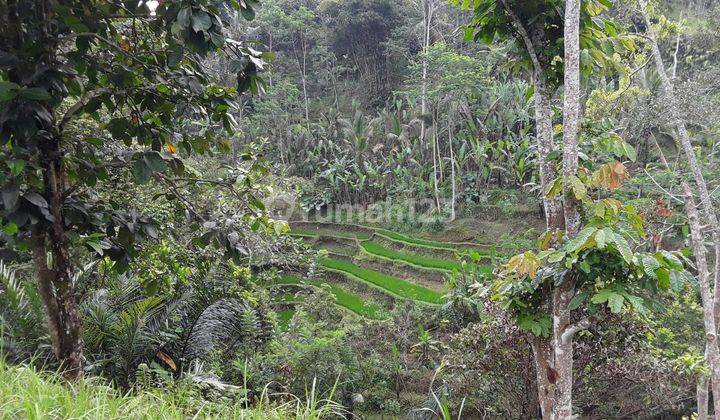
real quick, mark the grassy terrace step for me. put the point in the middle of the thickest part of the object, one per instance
(394, 286)
(464, 248)
(431, 279)
(362, 233)
(376, 249)
(395, 236)
(346, 247)
(343, 298)
(313, 233)
(345, 231)
(284, 317)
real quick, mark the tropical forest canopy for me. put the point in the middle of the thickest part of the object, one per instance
(359, 208)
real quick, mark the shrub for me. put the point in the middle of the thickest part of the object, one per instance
(310, 351)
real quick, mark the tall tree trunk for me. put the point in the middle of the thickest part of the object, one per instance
(673, 111)
(554, 217)
(544, 373)
(672, 108)
(270, 49)
(301, 59)
(562, 330)
(49, 240)
(571, 113)
(304, 83)
(428, 11)
(55, 281)
(452, 167)
(703, 277)
(544, 349)
(436, 156)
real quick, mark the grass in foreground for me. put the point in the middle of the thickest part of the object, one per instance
(28, 394)
(395, 286)
(343, 298)
(417, 260)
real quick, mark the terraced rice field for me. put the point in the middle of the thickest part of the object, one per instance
(368, 269)
(373, 248)
(397, 287)
(350, 301)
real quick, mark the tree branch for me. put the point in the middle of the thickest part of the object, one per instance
(573, 329)
(524, 35)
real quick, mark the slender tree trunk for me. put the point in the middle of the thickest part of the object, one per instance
(703, 277)
(544, 373)
(435, 166)
(428, 10)
(270, 49)
(545, 349)
(563, 340)
(554, 217)
(571, 113)
(304, 83)
(675, 54)
(55, 281)
(702, 393)
(562, 349)
(452, 168)
(673, 111)
(301, 59)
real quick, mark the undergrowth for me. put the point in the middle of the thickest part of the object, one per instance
(28, 394)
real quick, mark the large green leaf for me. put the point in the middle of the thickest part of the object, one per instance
(154, 161)
(578, 241)
(650, 266)
(578, 300)
(8, 90)
(623, 248)
(35, 94)
(201, 21)
(141, 171)
(663, 278)
(613, 299)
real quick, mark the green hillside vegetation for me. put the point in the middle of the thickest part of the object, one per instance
(359, 209)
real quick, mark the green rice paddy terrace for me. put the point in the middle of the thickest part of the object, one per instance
(367, 270)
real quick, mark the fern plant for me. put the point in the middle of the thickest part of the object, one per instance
(125, 328)
(22, 319)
